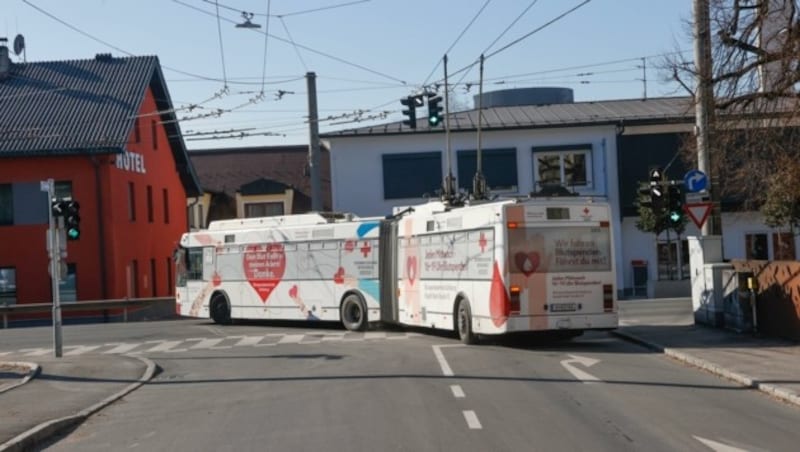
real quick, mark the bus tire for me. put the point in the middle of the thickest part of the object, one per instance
(464, 323)
(220, 310)
(353, 313)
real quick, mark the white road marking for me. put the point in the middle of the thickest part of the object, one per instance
(207, 343)
(719, 447)
(35, 351)
(333, 337)
(581, 375)
(437, 350)
(165, 346)
(291, 338)
(80, 349)
(4, 353)
(375, 335)
(472, 420)
(121, 348)
(457, 391)
(249, 341)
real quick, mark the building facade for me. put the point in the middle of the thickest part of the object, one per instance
(104, 130)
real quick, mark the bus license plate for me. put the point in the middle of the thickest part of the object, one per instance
(563, 307)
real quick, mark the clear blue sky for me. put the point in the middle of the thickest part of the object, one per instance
(366, 54)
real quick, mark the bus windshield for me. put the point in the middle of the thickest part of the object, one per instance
(188, 265)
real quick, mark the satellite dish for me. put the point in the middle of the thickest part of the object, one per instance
(19, 44)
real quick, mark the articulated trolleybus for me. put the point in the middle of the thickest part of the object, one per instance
(497, 267)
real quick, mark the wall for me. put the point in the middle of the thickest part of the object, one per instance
(778, 296)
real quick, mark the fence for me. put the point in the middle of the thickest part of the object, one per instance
(162, 307)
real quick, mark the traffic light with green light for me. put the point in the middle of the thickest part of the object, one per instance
(434, 109)
(675, 205)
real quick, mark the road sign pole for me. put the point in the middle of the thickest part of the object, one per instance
(54, 249)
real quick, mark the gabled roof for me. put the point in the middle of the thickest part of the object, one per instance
(81, 107)
(227, 170)
(634, 111)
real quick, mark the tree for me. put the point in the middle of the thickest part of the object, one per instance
(756, 132)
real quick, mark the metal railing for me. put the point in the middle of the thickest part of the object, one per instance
(7, 310)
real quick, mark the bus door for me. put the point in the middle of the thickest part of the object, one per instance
(190, 274)
(387, 271)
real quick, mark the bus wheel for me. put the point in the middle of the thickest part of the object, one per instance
(220, 311)
(354, 313)
(464, 323)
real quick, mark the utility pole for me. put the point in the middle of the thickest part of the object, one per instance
(449, 188)
(313, 145)
(704, 111)
(54, 253)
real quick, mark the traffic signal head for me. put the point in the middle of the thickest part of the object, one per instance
(644, 196)
(675, 208)
(434, 109)
(411, 103)
(656, 176)
(72, 220)
(657, 196)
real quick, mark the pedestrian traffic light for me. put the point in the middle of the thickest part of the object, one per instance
(411, 103)
(675, 205)
(72, 220)
(434, 109)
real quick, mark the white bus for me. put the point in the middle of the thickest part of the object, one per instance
(536, 264)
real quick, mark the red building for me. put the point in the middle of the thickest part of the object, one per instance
(105, 131)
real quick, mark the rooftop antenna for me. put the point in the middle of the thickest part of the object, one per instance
(5, 62)
(247, 21)
(19, 46)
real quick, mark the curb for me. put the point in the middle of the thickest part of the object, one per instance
(33, 370)
(744, 380)
(35, 436)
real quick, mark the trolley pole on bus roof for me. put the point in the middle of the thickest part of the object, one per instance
(313, 145)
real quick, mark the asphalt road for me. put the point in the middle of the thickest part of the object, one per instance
(268, 387)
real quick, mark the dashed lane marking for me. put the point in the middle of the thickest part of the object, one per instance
(472, 420)
(457, 391)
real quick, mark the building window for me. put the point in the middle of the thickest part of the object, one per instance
(499, 167)
(567, 166)
(133, 273)
(131, 202)
(153, 278)
(170, 263)
(6, 205)
(153, 129)
(137, 133)
(150, 203)
(412, 175)
(262, 209)
(783, 246)
(165, 195)
(68, 287)
(8, 285)
(756, 247)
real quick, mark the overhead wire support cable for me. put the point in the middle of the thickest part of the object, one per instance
(294, 46)
(221, 47)
(266, 38)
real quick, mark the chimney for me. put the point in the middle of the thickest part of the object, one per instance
(5, 60)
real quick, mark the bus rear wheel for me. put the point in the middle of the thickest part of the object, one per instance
(464, 323)
(220, 310)
(353, 313)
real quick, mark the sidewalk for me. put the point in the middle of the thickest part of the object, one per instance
(769, 365)
(63, 393)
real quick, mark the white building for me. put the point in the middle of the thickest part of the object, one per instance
(534, 137)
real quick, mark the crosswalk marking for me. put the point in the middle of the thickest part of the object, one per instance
(212, 343)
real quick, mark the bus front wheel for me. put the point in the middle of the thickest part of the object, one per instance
(464, 323)
(220, 310)
(354, 313)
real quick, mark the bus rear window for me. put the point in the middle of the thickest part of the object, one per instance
(559, 249)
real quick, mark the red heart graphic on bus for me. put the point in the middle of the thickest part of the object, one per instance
(411, 269)
(527, 263)
(264, 266)
(293, 291)
(216, 280)
(338, 277)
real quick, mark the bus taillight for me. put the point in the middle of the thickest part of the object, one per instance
(608, 297)
(514, 300)
(512, 225)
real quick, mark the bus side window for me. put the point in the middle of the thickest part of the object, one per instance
(194, 264)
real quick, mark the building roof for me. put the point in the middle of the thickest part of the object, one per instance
(81, 107)
(632, 111)
(227, 170)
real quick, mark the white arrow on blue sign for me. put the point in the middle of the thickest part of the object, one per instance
(695, 180)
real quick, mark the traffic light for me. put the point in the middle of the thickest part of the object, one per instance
(72, 220)
(644, 196)
(657, 194)
(411, 103)
(675, 207)
(434, 109)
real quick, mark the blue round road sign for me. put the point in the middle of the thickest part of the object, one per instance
(695, 180)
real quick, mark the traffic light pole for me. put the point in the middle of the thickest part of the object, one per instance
(54, 249)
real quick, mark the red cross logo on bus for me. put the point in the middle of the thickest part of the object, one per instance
(366, 249)
(349, 245)
(482, 242)
(586, 211)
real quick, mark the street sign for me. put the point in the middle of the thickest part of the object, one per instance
(695, 180)
(698, 212)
